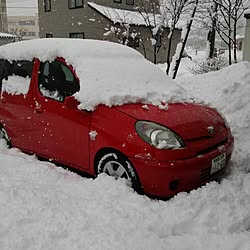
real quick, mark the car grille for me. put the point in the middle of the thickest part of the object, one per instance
(207, 150)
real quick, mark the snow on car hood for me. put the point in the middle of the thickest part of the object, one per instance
(109, 73)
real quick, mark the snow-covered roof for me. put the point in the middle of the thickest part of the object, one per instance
(109, 73)
(6, 35)
(126, 16)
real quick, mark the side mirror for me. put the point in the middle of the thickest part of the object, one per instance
(70, 102)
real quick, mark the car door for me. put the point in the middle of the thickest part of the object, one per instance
(61, 130)
(16, 112)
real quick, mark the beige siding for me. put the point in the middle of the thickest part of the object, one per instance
(246, 51)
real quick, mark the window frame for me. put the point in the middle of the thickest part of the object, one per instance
(71, 35)
(47, 5)
(49, 35)
(75, 6)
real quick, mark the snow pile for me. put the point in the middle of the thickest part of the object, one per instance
(16, 85)
(109, 73)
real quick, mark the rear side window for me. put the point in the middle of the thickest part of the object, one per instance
(15, 77)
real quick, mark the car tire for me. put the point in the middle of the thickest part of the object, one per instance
(4, 136)
(117, 165)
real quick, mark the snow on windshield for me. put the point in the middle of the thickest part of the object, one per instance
(109, 73)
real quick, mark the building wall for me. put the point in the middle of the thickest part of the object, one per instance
(246, 50)
(25, 27)
(61, 21)
(3, 16)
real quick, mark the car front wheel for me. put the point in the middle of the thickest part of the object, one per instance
(116, 165)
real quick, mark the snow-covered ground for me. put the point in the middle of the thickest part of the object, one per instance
(46, 207)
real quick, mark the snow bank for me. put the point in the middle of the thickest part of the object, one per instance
(228, 90)
(109, 73)
(44, 207)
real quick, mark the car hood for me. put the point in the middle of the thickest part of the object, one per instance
(190, 121)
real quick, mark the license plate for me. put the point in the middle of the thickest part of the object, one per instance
(218, 163)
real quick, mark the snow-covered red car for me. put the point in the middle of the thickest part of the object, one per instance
(100, 107)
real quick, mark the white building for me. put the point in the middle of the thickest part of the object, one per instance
(24, 27)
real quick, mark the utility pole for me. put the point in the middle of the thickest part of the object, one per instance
(1, 19)
(212, 32)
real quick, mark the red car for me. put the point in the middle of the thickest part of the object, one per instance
(162, 151)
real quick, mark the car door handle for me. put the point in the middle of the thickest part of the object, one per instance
(38, 109)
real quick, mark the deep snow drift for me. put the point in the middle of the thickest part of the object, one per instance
(46, 207)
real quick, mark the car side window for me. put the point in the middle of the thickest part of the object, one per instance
(2, 64)
(22, 68)
(56, 80)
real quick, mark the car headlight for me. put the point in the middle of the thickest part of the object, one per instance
(158, 136)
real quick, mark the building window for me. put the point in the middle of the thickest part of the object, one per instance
(49, 35)
(130, 2)
(47, 5)
(117, 1)
(77, 35)
(27, 22)
(73, 4)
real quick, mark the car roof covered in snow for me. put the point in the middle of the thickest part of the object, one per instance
(109, 73)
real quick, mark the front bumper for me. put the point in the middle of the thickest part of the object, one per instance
(165, 179)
